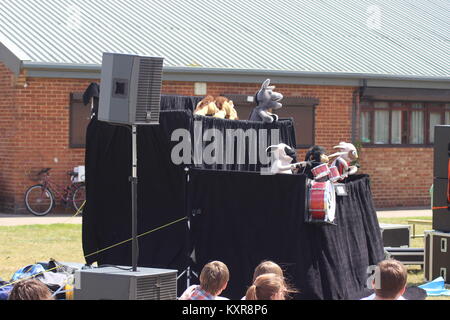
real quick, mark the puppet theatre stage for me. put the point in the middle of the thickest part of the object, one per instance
(230, 213)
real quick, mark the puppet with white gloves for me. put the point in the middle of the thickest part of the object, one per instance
(346, 154)
(284, 157)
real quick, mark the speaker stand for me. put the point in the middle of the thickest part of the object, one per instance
(134, 185)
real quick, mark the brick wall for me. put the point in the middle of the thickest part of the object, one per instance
(34, 133)
(401, 177)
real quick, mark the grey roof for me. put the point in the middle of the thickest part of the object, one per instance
(412, 38)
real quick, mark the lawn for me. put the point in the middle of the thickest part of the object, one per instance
(25, 245)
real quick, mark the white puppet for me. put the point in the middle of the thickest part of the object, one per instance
(284, 157)
(346, 154)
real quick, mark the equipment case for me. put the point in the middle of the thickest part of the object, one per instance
(437, 255)
(395, 235)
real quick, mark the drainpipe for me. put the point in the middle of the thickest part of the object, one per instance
(357, 94)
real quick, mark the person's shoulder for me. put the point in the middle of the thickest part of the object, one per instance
(221, 298)
(372, 297)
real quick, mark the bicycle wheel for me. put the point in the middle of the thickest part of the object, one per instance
(79, 197)
(39, 201)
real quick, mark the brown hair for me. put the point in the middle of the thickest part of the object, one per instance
(214, 276)
(30, 290)
(267, 267)
(220, 102)
(207, 100)
(393, 277)
(266, 287)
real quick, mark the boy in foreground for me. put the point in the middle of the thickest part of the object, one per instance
(390, 281)
(213, 281)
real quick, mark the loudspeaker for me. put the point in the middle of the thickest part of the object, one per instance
(441, 151)
(441, 211)
(130, 89)
(115, 284)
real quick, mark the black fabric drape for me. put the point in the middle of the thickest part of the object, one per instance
(161, 188)
(161, 194)
(171, 102)
(256, 135)
(245, 218)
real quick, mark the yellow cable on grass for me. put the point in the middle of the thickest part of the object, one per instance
(144, 234)
(81, 209)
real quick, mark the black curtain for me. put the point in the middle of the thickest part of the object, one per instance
(245, 218)
(162, 189)
(172, 102)
(249, 138)
(161, 194)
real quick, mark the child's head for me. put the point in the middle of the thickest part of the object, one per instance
(392, 280)
(268, 286)
(267, 267)
(214, 278)
(30, 290)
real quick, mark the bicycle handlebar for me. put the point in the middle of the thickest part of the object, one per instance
(72, 174)
(44, 171)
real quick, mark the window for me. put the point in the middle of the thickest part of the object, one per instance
(80, 116)
(302, 110)
(401, 123)
(304, 123)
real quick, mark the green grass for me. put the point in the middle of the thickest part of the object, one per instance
(24, 245)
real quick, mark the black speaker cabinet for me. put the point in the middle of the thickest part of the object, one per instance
(441, 211)
(395, 235)
(441, 151)
(437, 255)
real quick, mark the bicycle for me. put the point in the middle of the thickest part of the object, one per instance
(40, 199)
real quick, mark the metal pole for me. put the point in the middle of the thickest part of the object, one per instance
(134, 183)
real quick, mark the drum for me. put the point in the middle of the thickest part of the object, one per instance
(321, 202)
(321, 171)
(342, 167)
(334, 175)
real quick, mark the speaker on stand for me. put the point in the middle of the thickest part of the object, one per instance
(130, 95)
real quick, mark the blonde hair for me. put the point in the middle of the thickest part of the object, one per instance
(214, 276)
(30, 290)
(266, 287)
(393, 279)
(267, 267)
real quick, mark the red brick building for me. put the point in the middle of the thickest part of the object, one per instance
(386, 103)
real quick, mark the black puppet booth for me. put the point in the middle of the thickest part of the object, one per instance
(192, 214)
